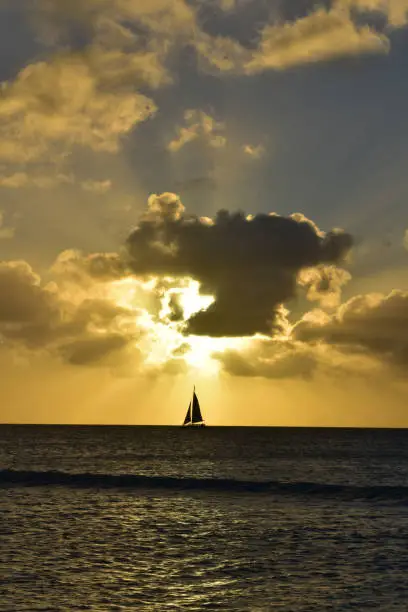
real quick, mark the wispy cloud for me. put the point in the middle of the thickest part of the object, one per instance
(322, 35)
(19, 180)
(98, 187)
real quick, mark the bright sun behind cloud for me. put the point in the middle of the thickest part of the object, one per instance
(163, 339)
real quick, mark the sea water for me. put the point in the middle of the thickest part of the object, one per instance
(161, 518)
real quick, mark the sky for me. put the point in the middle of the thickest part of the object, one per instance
(208, 192)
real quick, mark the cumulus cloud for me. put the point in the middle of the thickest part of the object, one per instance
(374, 323)
(250, 264)
(198, 125)
(324, 283)
(89, 97)
(39, 316)
(64, 100)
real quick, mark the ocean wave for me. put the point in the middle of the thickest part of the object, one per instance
(106, 481)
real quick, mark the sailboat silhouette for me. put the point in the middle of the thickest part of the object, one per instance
(193, 416)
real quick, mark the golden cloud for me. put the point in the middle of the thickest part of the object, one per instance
(323, 35)
(324, 283)
(65, 101)
(198, 125)
(375, 324)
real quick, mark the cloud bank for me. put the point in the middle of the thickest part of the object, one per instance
(91, 97)
(226, 282)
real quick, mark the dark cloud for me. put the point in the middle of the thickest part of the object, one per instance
(372, 322)
(250, 265)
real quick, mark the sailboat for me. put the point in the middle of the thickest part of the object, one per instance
(193, 416)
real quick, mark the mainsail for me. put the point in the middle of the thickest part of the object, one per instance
(188, 415)
(194, 416)
(196, 412)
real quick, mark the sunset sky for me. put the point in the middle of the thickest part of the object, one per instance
(210, 192)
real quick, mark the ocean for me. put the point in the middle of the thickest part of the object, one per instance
(161, 518)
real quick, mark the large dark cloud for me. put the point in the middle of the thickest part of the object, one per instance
(374, 323)
(250, 264)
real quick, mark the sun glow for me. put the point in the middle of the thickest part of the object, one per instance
(202, 349)
(162, 306)
(185, 292)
